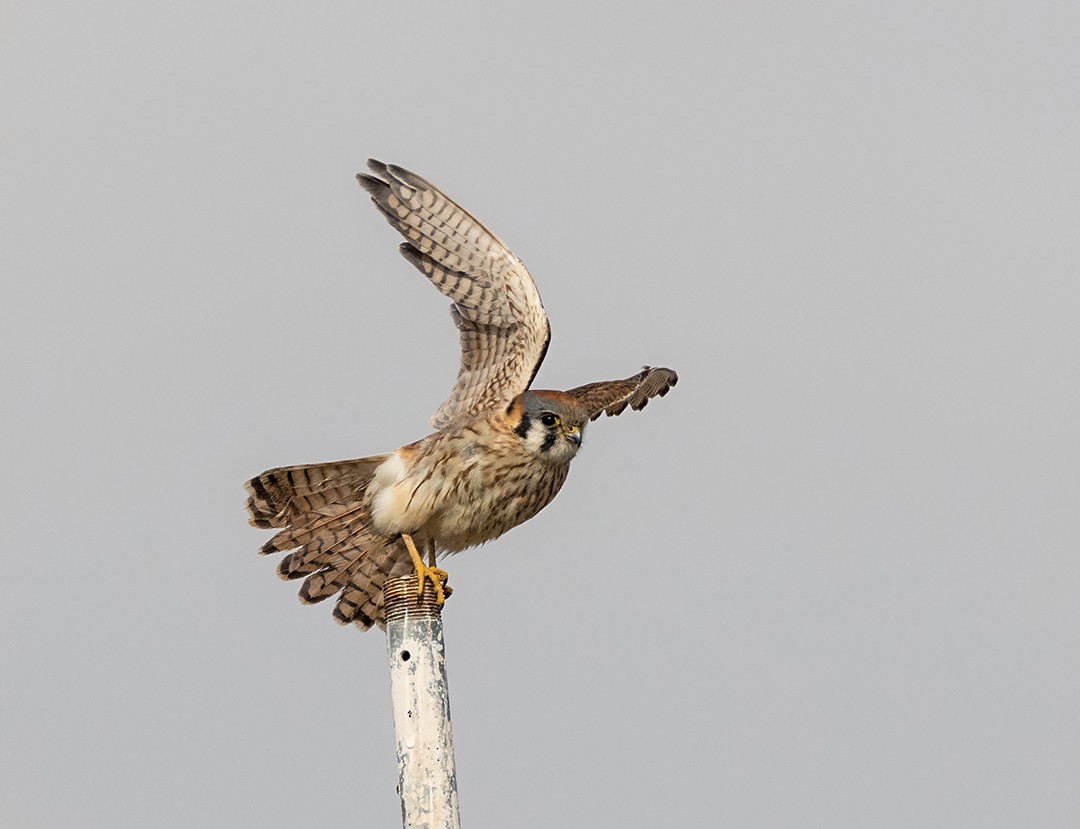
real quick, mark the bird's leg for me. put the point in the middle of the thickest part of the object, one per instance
(447, 589)
(432, 574)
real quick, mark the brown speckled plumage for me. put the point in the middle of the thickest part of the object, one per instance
(500, 453)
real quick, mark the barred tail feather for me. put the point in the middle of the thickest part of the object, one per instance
(356, 568)
(361, 599)
(324, 520)
(278, 496)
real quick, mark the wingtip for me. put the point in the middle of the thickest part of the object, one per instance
(400, 173)
(666, 376)
(408, 177)
(371, 184)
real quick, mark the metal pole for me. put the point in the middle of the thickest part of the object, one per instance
(427, 781)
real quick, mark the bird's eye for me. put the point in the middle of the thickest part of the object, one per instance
(549, 420)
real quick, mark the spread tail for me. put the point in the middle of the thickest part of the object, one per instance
(322, 513)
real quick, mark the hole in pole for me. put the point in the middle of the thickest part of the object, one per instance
(405, 656)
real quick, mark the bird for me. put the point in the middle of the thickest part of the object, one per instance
(500, 451)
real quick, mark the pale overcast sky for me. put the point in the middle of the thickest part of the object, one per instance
(830, 581)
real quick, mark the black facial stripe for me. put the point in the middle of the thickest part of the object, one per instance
(523, 427)
(549, 440)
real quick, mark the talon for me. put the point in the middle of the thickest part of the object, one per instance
(437, 578)
(435, 575)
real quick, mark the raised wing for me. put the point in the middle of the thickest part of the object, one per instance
(503, 329)
(611, 397)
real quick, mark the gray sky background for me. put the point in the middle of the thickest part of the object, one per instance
(832, 580)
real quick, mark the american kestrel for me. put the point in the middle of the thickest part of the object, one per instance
(499, 455)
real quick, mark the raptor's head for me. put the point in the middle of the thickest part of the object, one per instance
(550, 423)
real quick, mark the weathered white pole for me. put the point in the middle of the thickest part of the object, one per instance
(427, 781)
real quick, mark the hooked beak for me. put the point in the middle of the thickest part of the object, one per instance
(573, 434)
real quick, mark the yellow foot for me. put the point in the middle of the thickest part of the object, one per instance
(436, 576)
